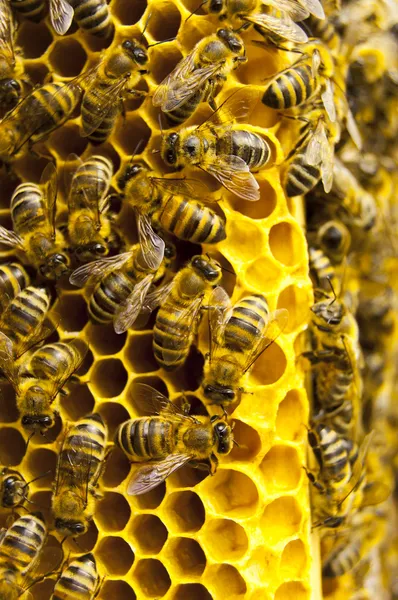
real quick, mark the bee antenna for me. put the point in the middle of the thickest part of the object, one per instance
(196, 10)
(333, 290)
(39, 477)
(227, 270)
(145, 26)
(162, 42)
(160, 123)
(28, 440)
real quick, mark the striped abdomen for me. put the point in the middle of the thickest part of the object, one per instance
(247, 322)
(29, 9)
(321, 269)
(325, 31)
(343, 559)
(183, 112)
(192, 221)
(13, 488)
(335, 467)
(89, 111)
(24, 315)
(79, 580)
(92, 180)
(249, 146)
(93, 16)
(22, 543)
(27, 209)
(299, 177)
(55, 103)
(333, 381)
(13, 279)
(291, 88)
(146, 438)
(52, 359)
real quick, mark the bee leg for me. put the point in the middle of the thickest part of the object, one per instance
(319, 486)
(213, 464)
(185, 405)
(201, 465)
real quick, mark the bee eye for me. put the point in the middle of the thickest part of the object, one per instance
(208, 390)
(170, 157)
(99, 249)
(235, 45)
(127, 45)
(78, 528)
(140, 56)
(230, 394)
(215, 6)
(46, 421)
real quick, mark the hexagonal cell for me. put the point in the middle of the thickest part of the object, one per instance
(149, 533)
(226, 581)
(186, 477)
(34, 38)
(256, 210)
(41, 501)
(108, 377)
(164, 58)
(116, 555)
(224, 537)
(151, 577)
(281, 468)
(291, 417)
(287, 243)
(281, 519)
(292, 589)
(185, 512)
(67, 139)
(297, 301)
(232, 493)
(113, 512)
(8, 406)
(71, 320)
(104, 340)
(115, 590)
(259, 67)
(114, 414)
(263, 268)
(127, 12)
(293, 560)
(78, 403)
(8, 185)
(186, 557)
(155, 382)
(116, 469)
(243, 231)
(159, 27)
(270, 366)
(41, 463)
(193, 591)
(248, 440)
(152, 499)
(139, 354)
(130, 131)
(43, 589)
(12, 446)
(67, 57)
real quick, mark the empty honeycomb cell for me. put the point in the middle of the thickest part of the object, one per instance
(256, 210)
(116, 469)
(263, 268)
(224, 537)
(41, 501)
(151, 577)
(66, 140)
(185, 557)
(42, 589)
(292, 589)
(291, 417)
(148, 534)
(131, 130)
(163, 60)
(108, 377)
(67, 57)
(12, 446)
(104, 340)
(243, 231)
(161, 28)
(128, 12)
(113, 414)
(113, 512)
(281, 519)
(8, 407)
(139, 355)
(262, 63)
(189, 378)
(226, 582)
(263, 116)
(248, 440)
(187, 477)
(184, 512)
(41, 463)
(116, 555)
(8, 184)
(193, 591)
(192, 6)
(287, 243)
(270, 366)
(231, 493)
(30, 169)
(115, 590)
(34, 38)
(152, 499)
(281, 469)
(78, 403)
(293, 559)
(296, 300)
(36, 72)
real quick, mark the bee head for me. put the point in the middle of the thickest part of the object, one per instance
(223, 436)
(136, 52)
(92, 251)
(130, 172)
(330, 313)
(216, 6)
(333, 236)
(231, 39)
(70, 527)
(206, 267)
(37, 422)
(170, 252)
(56, 266)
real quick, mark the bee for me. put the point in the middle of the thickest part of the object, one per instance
(13, 279)
(180, 303)
(238, 336)
(11, 61)
(30, 9)
(324, 30)
(79, 467)
(197, 76)
(169, 440)
(39, 113)
(35, 234)
(79, 580)
(93, 16)
(13, 488)
(170, 205)
(121, 284)
(38, 382)
(334, 240)
(322, 271)
(88, 226)
(119, 70)
(225, 152)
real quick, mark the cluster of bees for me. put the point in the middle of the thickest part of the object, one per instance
(339, 96)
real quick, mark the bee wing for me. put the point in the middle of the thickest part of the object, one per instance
(105, 100)
(7, 31)
(295, 10)
(276, 324)
(219, 313)
(157, 297)
(41, 333)
(374, 493)
(315, 8)
(234, 174)
(236, 107)
(327, 155)
(128, 311)
(151, 401)
(352, 129)
(49, 181)
(152, 246)
(98, 269)
(283, 26)
(66, 368)
(313, 152)
(7, 360)
(61, 15)
(189, 188)
(9, 238)
(328, 101)
(148, 476)
(79, 197)
(47, 562)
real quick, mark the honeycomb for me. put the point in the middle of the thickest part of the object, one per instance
(245, 532)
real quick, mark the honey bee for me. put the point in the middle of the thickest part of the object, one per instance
(325, 30)
(30, 9)
(197, 76)
(170, 205)
(38, 382)
(334, 239)
(11, 61)
(80, 465)
(13, 488)
(321, 270)
(225, 152)
(13, 279)
(238, 336)
(180, 303)
(79, 580)
(35, 234)
(118, 71)
(169, 440)
(93, 17)
(89, 228)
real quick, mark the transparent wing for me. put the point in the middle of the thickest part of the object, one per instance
(98, 269)
(152, 246)
(276, 324)
(315, 62)
(41, 333)
(105, 100)
(352, 129)
(283, 26)
(150, 401)
(61, 15)
(234, 174)
(49, 181)
(189, 188)
(90, 196)
(157, 297)
(328, 101)
(295, 10)
(48, 561)
(127, 312)
(219, 314)
(315, 8)
(7, 360)
(66, 368)
(327, 156)
(7, 33)
(149, 476)
(9, 238)
(236, 107)
(313, 152)
(183, 326)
